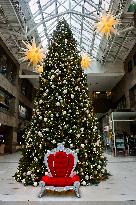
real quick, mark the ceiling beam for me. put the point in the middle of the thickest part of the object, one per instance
(43, 22)
(56, 9)
(82, 23)
(58, 15)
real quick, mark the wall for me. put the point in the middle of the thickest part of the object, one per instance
(126, 83)
(122, 126)
(8, 119)
(97, 67)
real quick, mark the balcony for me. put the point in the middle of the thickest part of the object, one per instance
(7, 103)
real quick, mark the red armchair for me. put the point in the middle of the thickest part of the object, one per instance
(61, 163)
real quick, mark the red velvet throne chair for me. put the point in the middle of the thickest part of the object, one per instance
(61, 163)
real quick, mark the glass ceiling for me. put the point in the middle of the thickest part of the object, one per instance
(80, 14)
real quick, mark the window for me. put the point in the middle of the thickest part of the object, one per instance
(121, 104)
(101, 95)
(5, 100)
(130, 67)
(7, 66)
(3, 64)
(134, 59)
(25, 112)
(26, 89)
(22, 111)
(133, 96)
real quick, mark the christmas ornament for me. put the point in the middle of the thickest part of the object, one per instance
(40, 134)
(85, 61)
(34, 54)
(39, 68)
(65, 91)
(45, 119)
(40, 118)
(29, 173)
(57, 103)
(23, 181)
(52, 77)
(99, 166)
(72, 96)
(106, 25)
(82, 145)
(86, 177)
(40, 102)
(35, 184)
(84, 183)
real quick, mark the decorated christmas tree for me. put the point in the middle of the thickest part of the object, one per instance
(62, 112)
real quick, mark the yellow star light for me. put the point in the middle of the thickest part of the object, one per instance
(39, 68)
(106, 25)
(34, 54)
(85, 62)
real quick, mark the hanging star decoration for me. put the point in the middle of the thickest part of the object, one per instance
(106, 25)
(32, 53)
(39, 68)
(85, 61)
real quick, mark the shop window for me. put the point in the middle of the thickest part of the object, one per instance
(130, 67)
(134, 59)
(25, 112)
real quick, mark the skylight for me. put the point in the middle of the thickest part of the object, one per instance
(80, 14)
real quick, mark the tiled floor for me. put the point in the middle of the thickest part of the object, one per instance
(121, 186)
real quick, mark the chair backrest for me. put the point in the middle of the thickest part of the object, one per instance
(61, 161)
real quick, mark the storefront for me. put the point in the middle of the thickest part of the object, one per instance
(119, 131)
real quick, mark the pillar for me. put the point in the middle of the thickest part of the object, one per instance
(11, 140)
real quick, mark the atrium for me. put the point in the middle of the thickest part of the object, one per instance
(67, 84)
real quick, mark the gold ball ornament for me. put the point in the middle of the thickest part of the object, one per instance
(33, 53)
(86, 61)
(106, 25)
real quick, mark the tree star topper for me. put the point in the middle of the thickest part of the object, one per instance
(86, 61)
(106, 25)
(34, 54)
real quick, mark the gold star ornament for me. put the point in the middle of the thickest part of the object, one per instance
(39, 68)
(85, 61)
(32, 53)
(106, 25)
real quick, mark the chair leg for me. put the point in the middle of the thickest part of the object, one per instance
(76, 188)
(43, 188)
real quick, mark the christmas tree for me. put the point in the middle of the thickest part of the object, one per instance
(62, 112)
